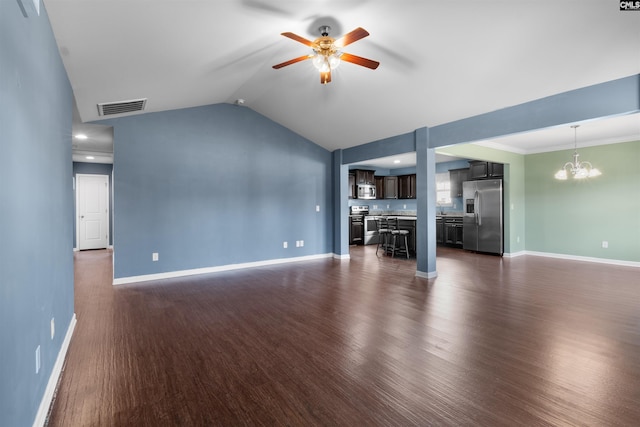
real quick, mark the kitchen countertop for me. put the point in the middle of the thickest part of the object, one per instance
(411, 215)
(405, 217)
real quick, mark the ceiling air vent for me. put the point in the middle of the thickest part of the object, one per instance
(121, 107)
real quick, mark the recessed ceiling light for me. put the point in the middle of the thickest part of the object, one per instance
(81, 136)
(90, 157)
(396, 161)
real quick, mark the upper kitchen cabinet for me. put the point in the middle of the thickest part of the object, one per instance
(364, 177)
(407, 186)
(456, 178)
(485, 170)
(352, 186)
(379, 186)
(390, 187)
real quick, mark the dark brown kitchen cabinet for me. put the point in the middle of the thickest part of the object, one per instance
(364, 177)
(453, 231)
(453, 234)
(352, 186)
(356, 230)
(449, 231)
(390, 187)
(485, 170)
(496, 170)
(410, 226)
(407, 186)
(379, 186)
(439, 230)
(456, 178)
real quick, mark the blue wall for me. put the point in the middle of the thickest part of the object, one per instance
(213, 186)
(36, 252)
(94, 169)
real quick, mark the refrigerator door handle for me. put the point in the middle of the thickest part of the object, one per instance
(477, 208)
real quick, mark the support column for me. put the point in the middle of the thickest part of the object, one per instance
(340, 184)
(426, 206)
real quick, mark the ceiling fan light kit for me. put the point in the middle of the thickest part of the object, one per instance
(327, 55)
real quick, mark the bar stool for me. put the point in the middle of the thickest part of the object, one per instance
(396, 244)
(383, 234)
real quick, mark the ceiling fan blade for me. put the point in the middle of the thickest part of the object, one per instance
(325, 77)
(358, 60)
(353, 36)
(299, 39)
(291, 61)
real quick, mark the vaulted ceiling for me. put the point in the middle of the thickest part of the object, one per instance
(440, 60)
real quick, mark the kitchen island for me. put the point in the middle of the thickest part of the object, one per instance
(405, 222)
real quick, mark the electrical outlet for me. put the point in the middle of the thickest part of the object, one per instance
(297, 243)
(317, 208)
(37, 359)
(154, 256)
(285, 245)
(404, 206)
(301, 243)
(53, 327)
(605, 244)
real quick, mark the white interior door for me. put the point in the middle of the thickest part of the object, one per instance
(92, 202)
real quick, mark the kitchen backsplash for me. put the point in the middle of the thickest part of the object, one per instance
(402, 206)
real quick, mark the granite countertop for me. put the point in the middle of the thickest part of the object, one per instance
(392, 213)
(412, 215)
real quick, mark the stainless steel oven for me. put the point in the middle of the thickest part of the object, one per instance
(357, 215)
(371, 230)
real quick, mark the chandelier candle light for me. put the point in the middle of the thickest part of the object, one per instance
(578, 169)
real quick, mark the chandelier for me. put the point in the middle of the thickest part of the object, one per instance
(578, 169)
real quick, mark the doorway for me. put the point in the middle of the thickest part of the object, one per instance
(92, 209)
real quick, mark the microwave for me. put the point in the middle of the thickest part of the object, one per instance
(366, 191)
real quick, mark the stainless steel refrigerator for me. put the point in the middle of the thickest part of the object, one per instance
(482, 220)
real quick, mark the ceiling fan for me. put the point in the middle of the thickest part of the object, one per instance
(327, 55)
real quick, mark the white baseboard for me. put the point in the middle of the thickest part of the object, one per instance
(514, 254)
(207, 270)
(584, 258)
(343, 256)
(45, 403)
(427, 275)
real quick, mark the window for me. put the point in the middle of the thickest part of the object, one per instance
(443, 189)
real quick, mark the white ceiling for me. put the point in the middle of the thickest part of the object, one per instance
(440, 60)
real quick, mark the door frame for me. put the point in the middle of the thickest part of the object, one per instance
(107, 195)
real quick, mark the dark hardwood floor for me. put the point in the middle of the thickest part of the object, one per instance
(492, 341)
